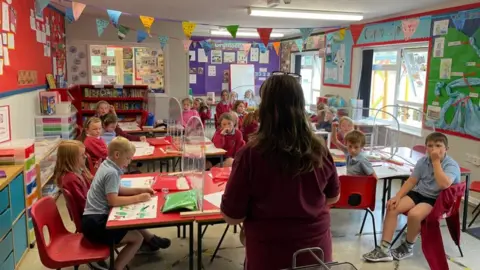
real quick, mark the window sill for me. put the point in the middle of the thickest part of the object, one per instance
(411, 131)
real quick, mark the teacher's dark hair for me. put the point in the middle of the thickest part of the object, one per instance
(285, 134)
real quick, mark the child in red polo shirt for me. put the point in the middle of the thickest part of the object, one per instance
(95, 146)
(222, 107)
(228, 137)
(239, 109)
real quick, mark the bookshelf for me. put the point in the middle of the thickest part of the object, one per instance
(129, 101)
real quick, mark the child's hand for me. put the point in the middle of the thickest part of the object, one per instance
(112, 109)
(392, 203)
(224, 131)
(143, 138)
(335, 124)
(144, 197)
(148, 190)
(435, 155)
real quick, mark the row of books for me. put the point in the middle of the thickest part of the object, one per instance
(111, 92)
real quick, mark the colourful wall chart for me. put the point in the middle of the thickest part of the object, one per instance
(338, 58)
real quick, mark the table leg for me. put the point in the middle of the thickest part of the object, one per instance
(389, 189)
(199, 246)
(190, 247)
(111, 265)
(221, 160)
(383, 196)
(465, 203)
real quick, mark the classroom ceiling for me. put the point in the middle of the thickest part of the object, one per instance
(226, 12)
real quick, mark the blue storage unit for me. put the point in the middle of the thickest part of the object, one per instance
(13, 221)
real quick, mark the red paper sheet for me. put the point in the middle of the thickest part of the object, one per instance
(220, 174)
(167, 182)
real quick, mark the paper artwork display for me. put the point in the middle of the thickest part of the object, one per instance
(5, 132)
(438, 47)
(192, 56)
(193, 78)
(5, 17)
(212, 71)
(143, 210)
(440, 28)
(254, 54)
(216, 57)
(264, 57)
(229, 57)
(241, 57)
(445, 68)
(409, 27)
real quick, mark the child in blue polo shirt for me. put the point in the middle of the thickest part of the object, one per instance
(357, 161)
(432, 174)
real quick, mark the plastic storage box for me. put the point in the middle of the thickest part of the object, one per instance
(56, 125)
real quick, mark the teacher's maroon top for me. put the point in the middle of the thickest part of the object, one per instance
(282, 213)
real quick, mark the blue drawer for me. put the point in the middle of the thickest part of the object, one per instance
(31, 187)
(20, 238)
(6, 247)
(5, 222)
(17, 196)
(4, 199)
(8, 264)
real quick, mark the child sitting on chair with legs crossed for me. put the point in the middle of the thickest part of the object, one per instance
(432, 174)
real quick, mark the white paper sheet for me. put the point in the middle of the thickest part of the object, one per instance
(137, 182)
(129, 126)
(135, 211)
(144, 151)
(193, 78)
(1, 66)
(140, 144)
(6, 57)
(264, 57)
(212, 71)
(202, 57)
(11, 41)
(214, 198)
(5, 17)
(192, 56)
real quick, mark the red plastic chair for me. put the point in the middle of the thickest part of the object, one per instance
(90, 165)
(420, 148)
(475, 186)
(64, 249)
(358, 193)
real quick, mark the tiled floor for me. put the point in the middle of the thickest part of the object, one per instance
(347, 247)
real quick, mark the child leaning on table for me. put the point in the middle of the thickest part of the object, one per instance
(106, 192)
(432, 174)
(357, 161)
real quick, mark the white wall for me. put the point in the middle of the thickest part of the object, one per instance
(23, 108)
(84, 32)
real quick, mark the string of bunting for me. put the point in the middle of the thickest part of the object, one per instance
(74, 12)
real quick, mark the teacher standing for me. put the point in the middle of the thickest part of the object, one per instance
(282, 182)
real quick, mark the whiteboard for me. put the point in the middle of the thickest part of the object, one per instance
(242, 78)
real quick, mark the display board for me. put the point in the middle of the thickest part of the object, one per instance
(454, 73)
(242, 79)
(210, 70)
(338, 58)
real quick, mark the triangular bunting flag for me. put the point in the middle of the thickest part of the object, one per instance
(77, 9)
(299, 43)
(141, 36)
(40, 5)
(147, 22)
(122, 31)
(114, 15)
(163, 41)
(262, 47)
(186, 44)
(69, 15)
(194, 44)
(101, 25)
(409, 27)
(264, 34)
(459, 20)
(207, 47)
(246, 47)
(276, 46)
(306, 32)
(356, 30)
(232, 29)
(315, 41)
(188, 28)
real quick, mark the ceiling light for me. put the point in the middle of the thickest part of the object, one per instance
(304, 14)
(243, 34)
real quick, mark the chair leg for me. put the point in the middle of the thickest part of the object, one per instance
(363, 222)
(75, 267)
(460, 249)
(476, 208)
(399, 234)
(219, 244)
(204, 230)
(184, 231)
(235, 229)
(178, 231)
(473, 220)
(373, 224)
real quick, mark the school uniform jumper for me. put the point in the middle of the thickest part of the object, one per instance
(283, 213)
(96, 148)
(78, 188)
(240, 117)
(222, 107)
(205, 115)
(187, 114)
(231, 142)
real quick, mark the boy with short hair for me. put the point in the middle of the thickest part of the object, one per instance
(432, 174)
(357, 162)
(106, 192)
(110, 122)
(330, 118)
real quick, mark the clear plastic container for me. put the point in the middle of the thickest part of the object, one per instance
(66, 135)
(56, 119)
(16, 151)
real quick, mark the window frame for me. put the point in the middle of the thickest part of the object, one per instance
(313, 53)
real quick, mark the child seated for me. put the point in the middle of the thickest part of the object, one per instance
(187, 111)
(110, 122)
(330, 117)
(320, 117)
(250, 124)
(95, 146)
(346, 125)
(228, 138)
(357, 162)
(222, 107)
(239, 109)
(432, 174)
(249, 98)
(203, 110)
(106, 192)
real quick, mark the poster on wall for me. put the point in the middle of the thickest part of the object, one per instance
(5, 128)
(338, 58)
(254, 54)
(454, 74)
(216, 56)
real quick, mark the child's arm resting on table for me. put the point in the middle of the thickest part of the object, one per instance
(127, 191)
(113, 189)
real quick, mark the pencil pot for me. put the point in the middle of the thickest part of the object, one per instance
(150, 119)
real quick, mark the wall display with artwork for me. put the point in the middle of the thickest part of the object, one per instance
(453, 93)
(210, 70)
(315, 42)
(338, 58)
(77, 63)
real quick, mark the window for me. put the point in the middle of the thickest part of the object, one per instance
(399, 77)
(127, 65)
(310, 69)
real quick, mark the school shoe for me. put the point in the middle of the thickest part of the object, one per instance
(378, 255)
(100, 265)
(155, 244)
(402, 252)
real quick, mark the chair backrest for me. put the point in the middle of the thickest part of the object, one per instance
(72, 207)
(45, 214)
(90, 165)
(357, 192)
(420, 148)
